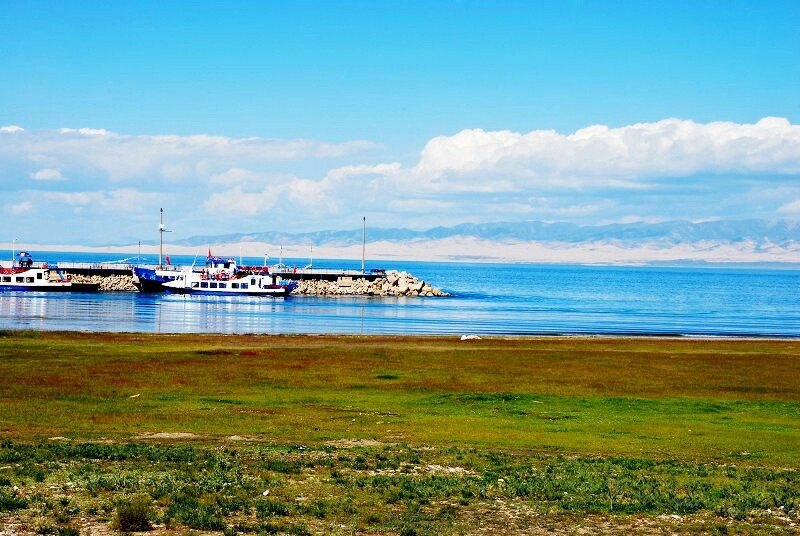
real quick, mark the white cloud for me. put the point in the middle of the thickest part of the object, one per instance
(92, 152)
(125, 200)
(654, 171)
(11, 129)
(87, 131)
(791, 208)
(598, 173)
(237, 201)
(47, 175)
(235, 175)
(20, 208)
(612, 157)
(345, 172)
(422, 205)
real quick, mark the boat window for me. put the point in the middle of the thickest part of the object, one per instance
(253, 281)
(223, 285)
(29, 280)
(204, 284)
(194, 285)
(20, 279)
(7, 279)
(39, 275)
(244, 285)
(212, 285)
(234, 285)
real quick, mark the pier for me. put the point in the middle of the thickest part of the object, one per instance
(287, 272)
(119, 277)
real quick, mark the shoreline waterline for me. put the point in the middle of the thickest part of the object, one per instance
(399, 338)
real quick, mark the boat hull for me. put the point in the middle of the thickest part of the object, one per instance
(269, 293)
(35, 288)
(148, 280)
(75, 287)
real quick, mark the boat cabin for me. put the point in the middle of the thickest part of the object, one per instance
(24, 260)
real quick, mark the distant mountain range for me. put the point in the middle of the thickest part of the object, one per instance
(757, 233)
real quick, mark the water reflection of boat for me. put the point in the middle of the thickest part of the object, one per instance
(23, 274)
(223, 278)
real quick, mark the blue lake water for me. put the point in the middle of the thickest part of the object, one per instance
(487, 299)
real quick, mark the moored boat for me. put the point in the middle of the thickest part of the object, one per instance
(153, 279)
(25, 275)
(223, 278)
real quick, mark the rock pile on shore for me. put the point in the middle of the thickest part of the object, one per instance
(118, 283)
(394, 284)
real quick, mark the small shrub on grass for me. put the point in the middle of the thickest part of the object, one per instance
(270, 508)
(10, 501)
(317, 508)
(281, 466)
(373, 519)
(133, 515)
(298, 530)
(194, 514)
(57, 531)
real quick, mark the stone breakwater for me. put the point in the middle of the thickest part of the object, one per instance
(394, 284)
(117, 283)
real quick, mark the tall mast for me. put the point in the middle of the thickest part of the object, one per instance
(161, 232)
(363, 243)
(161, 238)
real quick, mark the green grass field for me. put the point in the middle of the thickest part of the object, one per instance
(398, 435)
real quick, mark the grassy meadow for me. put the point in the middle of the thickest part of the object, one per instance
(397, 435)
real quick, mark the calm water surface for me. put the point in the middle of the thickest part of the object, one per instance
(488, 298)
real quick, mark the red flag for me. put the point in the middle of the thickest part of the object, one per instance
(168, 261)
(209, 252)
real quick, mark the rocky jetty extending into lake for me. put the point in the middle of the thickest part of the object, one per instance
(115, 283)
(393, 284)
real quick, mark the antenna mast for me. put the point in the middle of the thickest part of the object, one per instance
(363, 243)
(161, 232)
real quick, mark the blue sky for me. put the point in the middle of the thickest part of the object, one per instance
(341, 108)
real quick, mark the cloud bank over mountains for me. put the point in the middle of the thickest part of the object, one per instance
(101, 186)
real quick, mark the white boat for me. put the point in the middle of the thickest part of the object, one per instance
(25, 275)
(221, 277)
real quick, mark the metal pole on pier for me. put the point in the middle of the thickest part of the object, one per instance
(161, 238)
(363, 243)
(161, 232)
(13, 250)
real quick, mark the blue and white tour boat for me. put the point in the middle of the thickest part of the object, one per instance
(222, 277)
